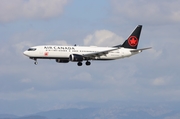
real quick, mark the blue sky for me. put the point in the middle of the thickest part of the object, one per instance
(152, 76)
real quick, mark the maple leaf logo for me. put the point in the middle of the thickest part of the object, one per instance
(46, 54)
(133, 41)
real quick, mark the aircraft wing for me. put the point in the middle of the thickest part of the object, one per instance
(98, 54)
(140, 50)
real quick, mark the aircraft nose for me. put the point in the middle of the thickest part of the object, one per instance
(25, 53)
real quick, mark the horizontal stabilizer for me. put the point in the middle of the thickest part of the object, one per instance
(140, 50)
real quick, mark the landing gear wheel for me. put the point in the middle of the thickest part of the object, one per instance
(88, 63)
(79, 63)
(35, 62)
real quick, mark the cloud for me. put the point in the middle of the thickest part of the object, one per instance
(156, 53)
(26, 80)
(84, 76)
(19, 42)
(148, 11)
(31, 89)
(103, 38)
(19, 47)
(30, 9)
(160, 81)
(58, 42)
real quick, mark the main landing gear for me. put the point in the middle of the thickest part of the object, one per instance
(87, 63)
(79, 63)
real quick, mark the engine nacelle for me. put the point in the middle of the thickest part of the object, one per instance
(75, 58)
(62, 60)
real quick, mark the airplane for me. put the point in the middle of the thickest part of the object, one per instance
(65, 54)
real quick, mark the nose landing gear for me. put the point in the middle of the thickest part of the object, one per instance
(35, 61)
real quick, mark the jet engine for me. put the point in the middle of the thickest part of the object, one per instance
(75, 58)
(62, 60)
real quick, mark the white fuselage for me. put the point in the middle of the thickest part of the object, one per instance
(55, 52)
(64, 54)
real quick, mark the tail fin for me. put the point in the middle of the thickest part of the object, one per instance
(133, 39)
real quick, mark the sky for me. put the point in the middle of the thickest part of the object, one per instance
(151, 76)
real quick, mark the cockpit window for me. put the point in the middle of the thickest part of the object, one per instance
(31, 49)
